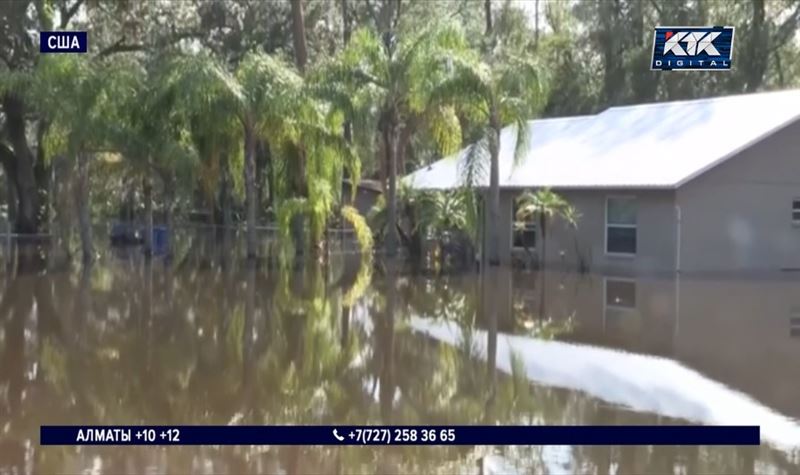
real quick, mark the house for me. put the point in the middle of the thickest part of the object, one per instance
(366, 194)
(706, 186)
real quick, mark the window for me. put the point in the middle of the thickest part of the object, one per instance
(620, 293)
(621, 225)
(524, 233)
(796, 212)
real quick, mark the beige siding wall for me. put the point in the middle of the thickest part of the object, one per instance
(737, 216)
(567, 247)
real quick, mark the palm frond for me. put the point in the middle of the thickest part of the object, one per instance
(474, 166)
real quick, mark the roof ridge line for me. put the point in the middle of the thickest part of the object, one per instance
(699, 99)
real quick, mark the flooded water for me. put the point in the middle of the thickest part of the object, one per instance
(194, 341)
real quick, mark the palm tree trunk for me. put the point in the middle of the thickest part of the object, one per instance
(489, 293)
(494, 196)
(250, 189)
(542, 262)
(543, 238)
(391, 222)
(147, 188)
(82, 199)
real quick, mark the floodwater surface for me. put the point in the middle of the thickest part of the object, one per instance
(202, 341)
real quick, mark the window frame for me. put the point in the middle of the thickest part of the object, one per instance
(607, 225)
(796, 212)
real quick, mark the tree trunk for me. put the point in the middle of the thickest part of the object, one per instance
(60, 196)
(756, 55)
(11, 199)
(543, 239)
(169, 211)
(489, 292)
(346, 30)
(250, 189)
(82, 199)
(299, 35)
(147, 194)
(542, 263)
(25, 180)
(390, 136)
(387, 384)
(493, 233)
(262, 169)
(487, 9)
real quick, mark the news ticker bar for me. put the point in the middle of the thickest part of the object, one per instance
(399, 435)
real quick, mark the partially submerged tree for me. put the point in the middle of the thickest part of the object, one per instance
(78, 97)
(149, 134)
(398, 74)
(509, 89)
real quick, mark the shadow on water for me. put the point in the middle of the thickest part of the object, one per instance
(206, 338)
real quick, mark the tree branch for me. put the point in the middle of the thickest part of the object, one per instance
(787, 29)
(658, 9)
(120, 46)
(66, 15)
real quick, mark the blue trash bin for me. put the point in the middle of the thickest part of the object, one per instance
(160, 240)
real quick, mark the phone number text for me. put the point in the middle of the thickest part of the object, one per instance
(402, 436)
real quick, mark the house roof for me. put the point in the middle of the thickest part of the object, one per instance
(366, 184)
(660, 145)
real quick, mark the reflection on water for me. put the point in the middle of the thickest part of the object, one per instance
(195, 342)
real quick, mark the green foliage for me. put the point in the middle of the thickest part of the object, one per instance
(361, 228)
(545, 204)
(439, 212)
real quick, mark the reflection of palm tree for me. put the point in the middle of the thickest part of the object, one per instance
(544, 206)
(489, 280)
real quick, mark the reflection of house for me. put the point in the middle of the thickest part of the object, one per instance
(739, 332)
(703, 185)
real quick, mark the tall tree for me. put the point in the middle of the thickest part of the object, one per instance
(68, 87)
(398, 74)
(508, 90)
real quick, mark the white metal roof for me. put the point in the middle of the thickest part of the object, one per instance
(661, 145)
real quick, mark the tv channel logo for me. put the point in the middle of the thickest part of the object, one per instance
(692, 48)
(63, 42)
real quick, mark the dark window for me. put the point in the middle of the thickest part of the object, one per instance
(796, 211)
(621, 293)
(621, 225)
(524, 231)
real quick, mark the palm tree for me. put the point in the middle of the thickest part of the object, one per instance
(149, 137)
(263, 99)
(398, 75)
(508, 89)
(544, 206)
(78, 97)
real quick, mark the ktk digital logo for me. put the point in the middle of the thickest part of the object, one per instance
(63, 42)
(688, 48)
